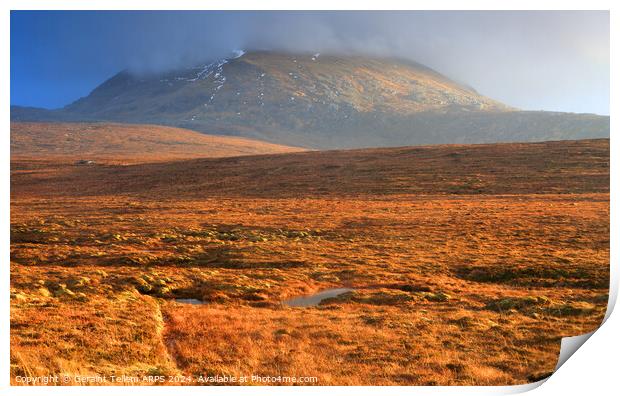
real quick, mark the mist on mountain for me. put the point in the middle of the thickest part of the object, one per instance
(533, 60)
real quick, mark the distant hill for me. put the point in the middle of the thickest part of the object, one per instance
(319, 101)
(566, 167)
(129, 143)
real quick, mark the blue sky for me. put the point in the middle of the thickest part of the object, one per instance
(535, 60)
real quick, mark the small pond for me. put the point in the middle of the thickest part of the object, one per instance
(301, 301)
(314, 299)
(193, 301)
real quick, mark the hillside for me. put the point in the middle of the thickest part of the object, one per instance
(127, 142)
(524, 168)
(319, 101)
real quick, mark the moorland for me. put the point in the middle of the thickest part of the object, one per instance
(466, 263)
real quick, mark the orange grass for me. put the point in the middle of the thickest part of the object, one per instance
(450, 288)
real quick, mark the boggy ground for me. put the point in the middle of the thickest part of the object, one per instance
(454, 283)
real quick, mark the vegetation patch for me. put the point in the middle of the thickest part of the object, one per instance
(535, 276)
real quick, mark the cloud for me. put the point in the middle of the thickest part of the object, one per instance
(528, 59)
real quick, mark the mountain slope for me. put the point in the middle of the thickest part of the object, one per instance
(133, 143)
(319, 101)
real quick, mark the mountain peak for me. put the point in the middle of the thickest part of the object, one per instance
(362, 82)
(264, 81)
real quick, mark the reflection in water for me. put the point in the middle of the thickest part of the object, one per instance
(193, 301)
(302, 301)
(315, 299)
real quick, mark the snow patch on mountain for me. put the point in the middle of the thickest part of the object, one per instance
(214, 68)
(238, 54)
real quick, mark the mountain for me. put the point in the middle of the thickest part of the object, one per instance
(127, 143)
(319, 101)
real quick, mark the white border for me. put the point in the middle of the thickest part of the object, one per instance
(593, 367)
